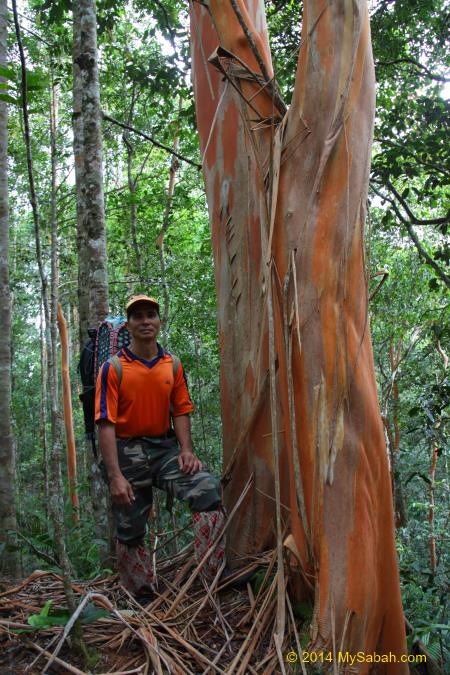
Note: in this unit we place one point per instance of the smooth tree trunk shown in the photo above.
(286, 194)
(395, 357)
(68, 417)
(43, 416)
(132, 182)
(174, 164)
(431, 507)
(8, 556)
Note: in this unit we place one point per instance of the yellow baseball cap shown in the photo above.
(141, 298)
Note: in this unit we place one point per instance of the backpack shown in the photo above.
(103, 344)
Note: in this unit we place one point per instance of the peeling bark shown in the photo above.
(287, 204)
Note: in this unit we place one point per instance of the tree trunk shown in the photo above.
(174, 164)
(43, 418)
(132, 181)
(78, 153)
(286, 196)
(432, 535)
(93, 280)
(395, 357)
(56, 488)
(68, 418)
(8, 556)
(91, 233)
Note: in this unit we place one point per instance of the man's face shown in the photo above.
(143, 322)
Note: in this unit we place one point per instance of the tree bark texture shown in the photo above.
(287, 195)
(91, 232)
(93, 281)
(8, 558)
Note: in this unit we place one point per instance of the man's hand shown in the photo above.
(121, 491)
(188, 462)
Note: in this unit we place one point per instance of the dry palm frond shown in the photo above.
(217, 630)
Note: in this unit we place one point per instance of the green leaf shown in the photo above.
(7, 73)
(91, 614)
(36, 81)
(9, 99)
(41, 622)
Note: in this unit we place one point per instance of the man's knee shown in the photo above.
(204, 494)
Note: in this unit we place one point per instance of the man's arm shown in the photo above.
(119, 488)
(187, 461)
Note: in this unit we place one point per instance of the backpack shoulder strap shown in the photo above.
(176, 363)
(117, 365)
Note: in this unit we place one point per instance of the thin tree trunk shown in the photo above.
(133, 207)
(199, 396)
(8, 557)
(432, 536)
(43, 418)
(78, 152)
(395, 357)
(174, 164)
(132, 187)
(56, 498)
(286, 195)
(68, 418)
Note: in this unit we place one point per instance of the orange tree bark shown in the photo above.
(286, 194)
(68, 417)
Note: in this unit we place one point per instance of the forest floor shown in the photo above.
(188, 628)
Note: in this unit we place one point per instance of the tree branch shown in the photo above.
(384, 274)
(40, 554)
(413, 219)
(422, 252)
(262, 66)
(107, 118)
(413, 62)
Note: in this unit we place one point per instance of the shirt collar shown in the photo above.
(133, 357)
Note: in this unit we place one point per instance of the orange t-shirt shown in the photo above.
(147, 395)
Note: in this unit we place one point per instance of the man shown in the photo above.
(138, 391)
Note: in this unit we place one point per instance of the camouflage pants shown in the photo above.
(153, 462)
